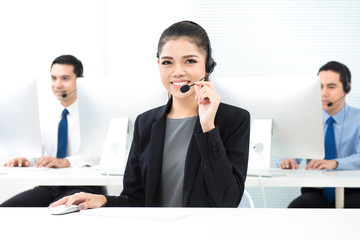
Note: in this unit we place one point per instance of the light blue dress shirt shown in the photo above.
(347, 137)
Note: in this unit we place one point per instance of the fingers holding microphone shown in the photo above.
(208, 101)
(206, 93)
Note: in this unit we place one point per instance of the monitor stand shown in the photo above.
(113, 158)
(260, 146)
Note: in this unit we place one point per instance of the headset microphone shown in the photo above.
(64, 95)
(186, 88)
(332, 103)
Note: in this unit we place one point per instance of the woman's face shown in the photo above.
(181, 62)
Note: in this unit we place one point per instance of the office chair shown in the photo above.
(246, 201)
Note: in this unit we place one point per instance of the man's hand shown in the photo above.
(288, 163)
(18, 162)
(318, 164)
(49, 162)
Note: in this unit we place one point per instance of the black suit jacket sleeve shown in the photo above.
(224, 155)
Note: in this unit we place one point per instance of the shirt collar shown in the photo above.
(338, 117)
(73, 108)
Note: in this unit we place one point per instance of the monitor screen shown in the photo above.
(20, 134)
(101, 99)
(292, 103)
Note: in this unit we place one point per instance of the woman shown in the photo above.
(191, 152)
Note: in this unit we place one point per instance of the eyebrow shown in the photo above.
(190, 56)
(184, 57)
(66, 75)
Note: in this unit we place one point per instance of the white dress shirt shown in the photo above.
(49, 136)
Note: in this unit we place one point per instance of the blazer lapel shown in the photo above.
(192, 164)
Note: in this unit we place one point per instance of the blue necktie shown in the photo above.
(330, 153)
(62, 135)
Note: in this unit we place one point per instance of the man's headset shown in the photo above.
(346, 85)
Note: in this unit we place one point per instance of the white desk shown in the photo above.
(204, 223)
(92, 177)
(293, 178)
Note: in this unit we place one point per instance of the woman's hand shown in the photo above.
(208, 100)
(83, 200)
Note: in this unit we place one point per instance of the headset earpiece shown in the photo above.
(210, 62)
(211, 67)
(347, 86)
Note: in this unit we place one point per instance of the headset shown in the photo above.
(210, 62)
(346, 86)
(344, 76)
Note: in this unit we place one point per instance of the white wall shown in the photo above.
(33, 33)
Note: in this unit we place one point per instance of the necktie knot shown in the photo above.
(64, 113)
(330, 120)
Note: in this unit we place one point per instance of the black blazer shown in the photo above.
(215, 165)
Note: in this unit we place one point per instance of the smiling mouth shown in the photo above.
(180, 83)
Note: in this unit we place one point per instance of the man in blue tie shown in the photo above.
(60, 137)
(342, 139)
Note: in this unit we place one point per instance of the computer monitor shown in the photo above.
(103, 105)
(293, 105)
(20, 134)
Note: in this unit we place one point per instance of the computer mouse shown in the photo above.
(61, 209)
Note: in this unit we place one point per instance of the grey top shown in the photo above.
(177, 138)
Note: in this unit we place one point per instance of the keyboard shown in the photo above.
(263, 173)
(276, 172)
(5, 170)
